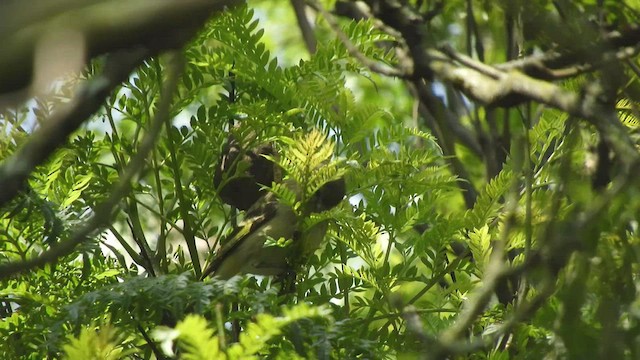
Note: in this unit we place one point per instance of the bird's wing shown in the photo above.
(256, 217)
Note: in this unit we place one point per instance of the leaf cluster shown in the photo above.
(543, 260)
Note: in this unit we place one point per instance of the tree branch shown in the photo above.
(106, 26)
(103, 212)
(306, 29)
(133, 31)
(15, 170)
(492, 87)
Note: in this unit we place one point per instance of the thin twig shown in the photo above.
(495, 271)
(352, 49)
(152, 345)
(471, 63)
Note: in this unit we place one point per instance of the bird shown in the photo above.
(271, 218)
(242, 174)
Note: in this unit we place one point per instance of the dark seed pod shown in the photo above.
(329, 195)
(241, 173)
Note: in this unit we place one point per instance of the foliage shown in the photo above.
(542, 264)
(199, 342)
(95, 345)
